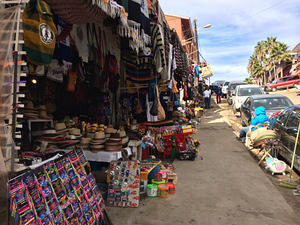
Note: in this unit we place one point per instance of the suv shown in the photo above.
(224, 89)
(242, 92)
(284, 82)
(231, 87)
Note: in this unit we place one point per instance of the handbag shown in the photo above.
(72, 78)
(161, 115)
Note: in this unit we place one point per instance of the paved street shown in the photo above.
(227, 187)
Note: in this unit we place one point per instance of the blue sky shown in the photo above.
(237, 26)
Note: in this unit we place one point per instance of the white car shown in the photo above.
(224, 89)
(242, 92)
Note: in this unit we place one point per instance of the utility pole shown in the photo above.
(196, 37)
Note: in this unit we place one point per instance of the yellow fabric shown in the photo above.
(39, 32)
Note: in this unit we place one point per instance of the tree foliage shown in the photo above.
(267, 55)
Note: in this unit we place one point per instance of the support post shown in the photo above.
(196, 39)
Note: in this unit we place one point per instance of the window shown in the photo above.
(272, 103)
(249, 91)
(293, 120)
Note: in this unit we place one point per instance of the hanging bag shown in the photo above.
(154, 108)
(161, 115)
(39, 32)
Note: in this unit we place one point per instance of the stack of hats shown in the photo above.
(97, 144)
(30, 112)
(43, 113)
(61, 128)
(124, 138)
(84, 143)
(75, 133)
(114, 143)
(109, 131)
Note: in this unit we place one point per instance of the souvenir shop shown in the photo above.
(101, 89)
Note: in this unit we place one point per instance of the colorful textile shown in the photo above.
(39, 32)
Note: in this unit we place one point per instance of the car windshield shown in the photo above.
(272, 103)
(226, 84)
(233, 86)
(250, 91)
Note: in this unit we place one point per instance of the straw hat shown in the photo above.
(99, 135)
(84, 143)
(110, 130)
(44, 115)
(29, 105)
(61, 128)
(116, 148)
(75, 132)
(97, 148)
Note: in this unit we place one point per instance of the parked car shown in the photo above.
(242, 92)
(218, 83)
(224, 89)
(272, 104)
(231, 87)
(287, 126)
(284, 82)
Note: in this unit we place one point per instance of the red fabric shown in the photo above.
(180, 142)
(167, 148)
(218, 98)
(145, 153)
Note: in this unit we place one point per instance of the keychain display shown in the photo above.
(124, 185)
(59, 192)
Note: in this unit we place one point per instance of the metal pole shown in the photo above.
(196, 37)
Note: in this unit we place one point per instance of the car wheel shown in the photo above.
(274, 89)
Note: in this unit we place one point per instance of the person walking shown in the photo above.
(207, 94)
(218, 95)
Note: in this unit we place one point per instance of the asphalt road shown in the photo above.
(227, 187)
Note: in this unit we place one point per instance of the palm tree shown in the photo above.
(267, 55)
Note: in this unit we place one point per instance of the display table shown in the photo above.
(98, 156)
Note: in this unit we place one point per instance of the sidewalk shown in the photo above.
(227, 187)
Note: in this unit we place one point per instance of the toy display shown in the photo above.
(124, 185)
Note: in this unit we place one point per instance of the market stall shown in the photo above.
(101, 86)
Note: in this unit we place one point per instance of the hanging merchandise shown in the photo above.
(161, 115)
(39, 32)
(72, 78)
(55, 71)
(63, 46)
